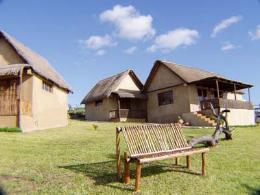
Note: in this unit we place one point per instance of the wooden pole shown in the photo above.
(138, 176)
(118, 160)
(217, 88)
(249, 97)
(203, 155)
(235, 91)
(118, 105)
(188, 161)
(176, 161)
(127, 169)
(19, 98)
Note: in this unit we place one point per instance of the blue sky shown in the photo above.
(89, 40)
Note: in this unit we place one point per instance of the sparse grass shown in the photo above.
(95, 126)
(78, 160)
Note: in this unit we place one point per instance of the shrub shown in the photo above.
(77, 113)
(10, 129)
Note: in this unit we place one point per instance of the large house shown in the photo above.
(33, 95)
(171, 91)
(175, 90)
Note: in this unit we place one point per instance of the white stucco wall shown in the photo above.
(170, 112)
(49, 110)
(166, 113)
(100, 112)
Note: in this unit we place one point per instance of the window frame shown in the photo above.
(162, 98)
(98, 103)
(46, 86)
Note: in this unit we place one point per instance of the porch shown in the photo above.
(225, 103)
(131, 106)
(127, 114)
(223, 93)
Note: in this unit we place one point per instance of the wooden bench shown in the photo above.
(152, 142)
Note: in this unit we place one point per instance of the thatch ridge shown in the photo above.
(105, 87)
(38, 63)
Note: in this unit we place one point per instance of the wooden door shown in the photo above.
(8, 97)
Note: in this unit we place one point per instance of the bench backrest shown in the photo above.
(154, 138)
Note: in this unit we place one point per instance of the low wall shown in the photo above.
(237, 117)
(240, 117)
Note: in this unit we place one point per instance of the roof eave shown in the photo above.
(223, 79)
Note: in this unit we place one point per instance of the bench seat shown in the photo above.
(153, 142)
(146, 158)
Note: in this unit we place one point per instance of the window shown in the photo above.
(165, 98)
(205, 93)
(220, 94)
(98, 102)
(47, 87)
(202, 92)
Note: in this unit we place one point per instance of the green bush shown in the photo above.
(77, 113)
(10, 129)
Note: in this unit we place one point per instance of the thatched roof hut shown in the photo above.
(117, 98)
(33, 95)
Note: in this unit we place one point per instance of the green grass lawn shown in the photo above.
(80, 160)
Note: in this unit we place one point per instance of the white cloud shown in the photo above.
(101, 52)
(225, 24)
(130, 24)
(130, 50)
(228, 46)
(175, 38)
(97, 42)
(256, 34)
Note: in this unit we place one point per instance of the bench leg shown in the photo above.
(138, 176)
(177, 161)
(118, 157)
(127, 170)
(203, 155)
(188, 161)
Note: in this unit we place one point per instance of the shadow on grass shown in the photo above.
(101, 172)
(2, 192)
(252, 190)
(104, 173)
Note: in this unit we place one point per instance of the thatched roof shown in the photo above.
(106, 87)
(11, 70)
(124, 93)
(191, 75)
(38, 64)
